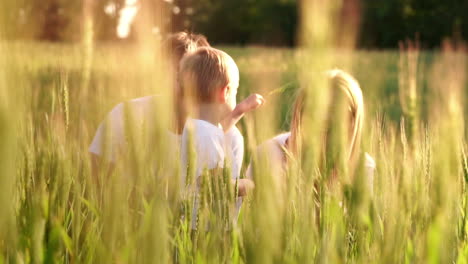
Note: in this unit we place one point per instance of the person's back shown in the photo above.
(110, 140)
(138, 112)
(213, 147)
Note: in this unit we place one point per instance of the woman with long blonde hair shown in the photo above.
(341, 138)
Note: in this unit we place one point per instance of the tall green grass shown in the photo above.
(53, 96)
(52, 211)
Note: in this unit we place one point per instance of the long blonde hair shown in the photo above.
(342, 85)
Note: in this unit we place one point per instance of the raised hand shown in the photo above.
(250, 103)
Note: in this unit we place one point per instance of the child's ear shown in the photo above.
(224, 94)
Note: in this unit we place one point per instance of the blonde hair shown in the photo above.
(180, 43)
(206, 70)
(343, 83)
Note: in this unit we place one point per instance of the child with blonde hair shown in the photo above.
(210, 79)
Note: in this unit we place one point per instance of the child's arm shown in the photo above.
(250, 103)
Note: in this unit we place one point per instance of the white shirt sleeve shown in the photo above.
(109, 136)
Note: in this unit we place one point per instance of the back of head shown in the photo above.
(178, 44)
(174, 47)
(344, 87)
(345, 112)
(205, 71)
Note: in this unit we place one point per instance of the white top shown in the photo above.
(110, 139)
(213, 149)
(275, 149)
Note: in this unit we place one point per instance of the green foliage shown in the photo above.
(246, 21)
(267, 22)
(387, 22)
(417, 214)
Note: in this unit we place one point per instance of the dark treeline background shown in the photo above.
(382, 23)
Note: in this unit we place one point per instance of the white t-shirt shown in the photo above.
(275, 149)
(213, 149)
(111, 139)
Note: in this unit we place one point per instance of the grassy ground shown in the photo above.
(55, 95)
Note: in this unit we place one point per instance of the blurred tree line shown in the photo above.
(382, 23)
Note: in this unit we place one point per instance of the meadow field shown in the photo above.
(55, 95)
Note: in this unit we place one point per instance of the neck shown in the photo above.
(212, 113)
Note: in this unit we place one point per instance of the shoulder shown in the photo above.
(143, 105)
(274, 147)
(115, 116)
(273, 153)
(234, 131)
(369, 161)
(140, 102)
(234, 135)
(276, 141)
(116, 110)
(141, 108)
(282, 138)
(201, 129)
(199, 124)
(143, 101)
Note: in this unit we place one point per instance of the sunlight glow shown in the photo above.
(127, 15)
(110, 9)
